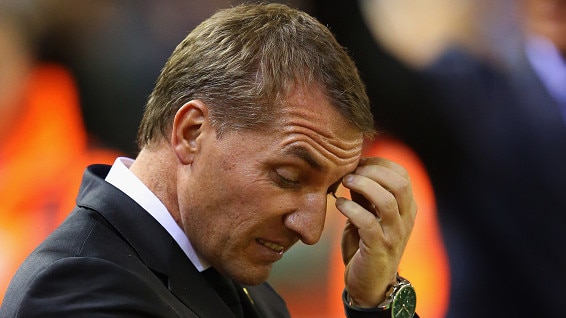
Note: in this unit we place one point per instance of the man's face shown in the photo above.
(548, 18)
(250, 195)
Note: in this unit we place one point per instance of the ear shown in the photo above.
(188, 125)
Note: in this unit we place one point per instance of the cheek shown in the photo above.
(229, 203)
(223, 229)
(218, 210)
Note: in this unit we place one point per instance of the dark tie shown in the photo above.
(226, 289)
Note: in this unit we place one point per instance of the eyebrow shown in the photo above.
(305, 155)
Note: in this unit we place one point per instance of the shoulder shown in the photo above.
(95, 269)
(75, 286)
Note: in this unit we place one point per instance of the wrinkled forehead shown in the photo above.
(308, 119)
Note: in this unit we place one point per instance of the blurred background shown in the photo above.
(75, 75)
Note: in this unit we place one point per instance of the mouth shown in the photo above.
(272, 246)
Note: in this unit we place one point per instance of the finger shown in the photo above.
(365, 203)
(356, 214)
(350, 241)
(379, 161)
(392, 177)
(369, 231)
(375, 198)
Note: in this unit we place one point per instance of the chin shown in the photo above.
(252, 277)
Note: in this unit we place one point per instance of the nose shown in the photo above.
(307, 220)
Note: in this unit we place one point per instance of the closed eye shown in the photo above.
(284, 182)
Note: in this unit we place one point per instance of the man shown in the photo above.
(492, 137)
(255, 119)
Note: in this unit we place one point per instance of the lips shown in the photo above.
(272, 246)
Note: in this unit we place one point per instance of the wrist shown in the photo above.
(370, 298)
(400, 301)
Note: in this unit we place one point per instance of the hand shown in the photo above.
(380, 216)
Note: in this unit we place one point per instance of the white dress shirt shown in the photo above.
(122, 178)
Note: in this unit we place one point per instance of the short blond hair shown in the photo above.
(243, 60)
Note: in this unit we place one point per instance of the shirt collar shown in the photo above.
(126, 181)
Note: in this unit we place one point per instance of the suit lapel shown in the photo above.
(153, 244)
(190, 287)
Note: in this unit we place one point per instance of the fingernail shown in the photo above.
(349, 178)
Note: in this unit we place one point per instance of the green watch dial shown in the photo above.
(405, 303)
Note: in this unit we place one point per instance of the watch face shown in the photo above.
(405, 302)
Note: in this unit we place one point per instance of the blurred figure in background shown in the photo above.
(43, 144)
(489, 125)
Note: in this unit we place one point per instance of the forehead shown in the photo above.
(311, 125)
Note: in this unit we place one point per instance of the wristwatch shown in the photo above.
(401, 301)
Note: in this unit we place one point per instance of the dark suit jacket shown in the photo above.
(494, 144)
(110, 258)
